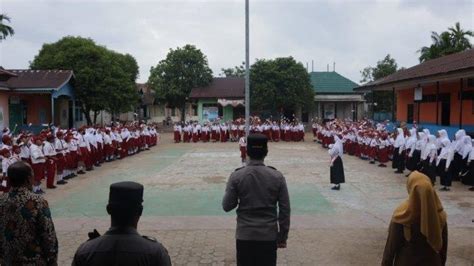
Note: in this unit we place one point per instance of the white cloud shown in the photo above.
(354, 34)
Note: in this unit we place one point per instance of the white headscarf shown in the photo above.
(337, 149)
(400, 140)
(466, 146)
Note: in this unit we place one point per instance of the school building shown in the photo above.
(335, 96)
(35, 98)
(223, 98)
(438, 93)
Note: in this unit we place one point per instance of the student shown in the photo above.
(337, 168)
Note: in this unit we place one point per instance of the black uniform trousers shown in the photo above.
(258, 253)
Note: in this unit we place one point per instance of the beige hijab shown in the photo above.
(422, 207)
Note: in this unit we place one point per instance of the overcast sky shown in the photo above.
(354, 34)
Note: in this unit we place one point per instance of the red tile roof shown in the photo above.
(44, 79)
(221, 88)
(444, 65)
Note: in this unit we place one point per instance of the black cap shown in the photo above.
(257, 145)
(126, 194)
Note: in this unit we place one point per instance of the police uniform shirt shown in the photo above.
(122, 246)
(256, 190)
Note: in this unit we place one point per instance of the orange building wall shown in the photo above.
(4, 107)
(428, 110)
(35, 104)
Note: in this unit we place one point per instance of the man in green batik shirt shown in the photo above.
(27, 235)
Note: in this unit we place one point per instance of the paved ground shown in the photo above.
(184, 184)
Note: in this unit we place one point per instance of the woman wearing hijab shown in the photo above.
(413, 156)
(443, 164)
(468, 177)
(337, 168)
(418, 232)
(428, 157)
(399, 152)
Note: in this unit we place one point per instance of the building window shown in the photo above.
(195, 109)
(78, 114)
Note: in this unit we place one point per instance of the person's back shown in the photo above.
(27, 235)
(121, 246)
(418, 232)
(256, 190)
(417, 251)
(259, 188)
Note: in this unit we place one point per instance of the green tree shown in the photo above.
(119, 84)
(5, 30)
(100, 74)
(448, 42)
(237, 71)
(280, 85)
(174, 77)
(384, 67)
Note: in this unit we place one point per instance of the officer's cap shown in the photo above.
(126, 194)
(257, 145)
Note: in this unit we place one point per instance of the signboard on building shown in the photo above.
(329, 111)
(210, 113)
(418, 94)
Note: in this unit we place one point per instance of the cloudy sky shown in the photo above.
(354, 34)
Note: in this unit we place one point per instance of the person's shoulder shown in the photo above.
(153, 242)
(238, 169)
(273, 170)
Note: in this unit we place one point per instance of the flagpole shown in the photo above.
(247, 72)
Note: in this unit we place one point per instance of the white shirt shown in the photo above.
(37, 155)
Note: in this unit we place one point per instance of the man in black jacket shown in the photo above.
(122, 245)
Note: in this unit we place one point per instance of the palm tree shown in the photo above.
(448, 42)
(459, 37)
(5, 30)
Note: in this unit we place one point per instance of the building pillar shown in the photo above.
(73, 113)
(373, 105)
(52, 109)
(393, 105)
(460, 102)
(437, 103)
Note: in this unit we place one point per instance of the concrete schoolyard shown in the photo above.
(184, 185)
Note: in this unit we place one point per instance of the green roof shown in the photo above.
(332, 83)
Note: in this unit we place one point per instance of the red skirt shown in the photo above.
(38, 171)
(383, 155)
(243, 152)
(60, 163)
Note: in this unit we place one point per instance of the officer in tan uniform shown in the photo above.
(256, 190)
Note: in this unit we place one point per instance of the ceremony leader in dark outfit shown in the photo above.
(122, 245)
(256, 190)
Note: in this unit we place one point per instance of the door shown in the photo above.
(410, 114)
(16, 114)
(445, 113)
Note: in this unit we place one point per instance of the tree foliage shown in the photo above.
(5, 30)
(384, 67)
(104, 79)
(280, 84)
(448, 42)
(174, 77)
(237, 71)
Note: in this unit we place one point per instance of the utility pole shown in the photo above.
(247, 72)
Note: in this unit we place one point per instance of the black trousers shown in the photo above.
(258, 253)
